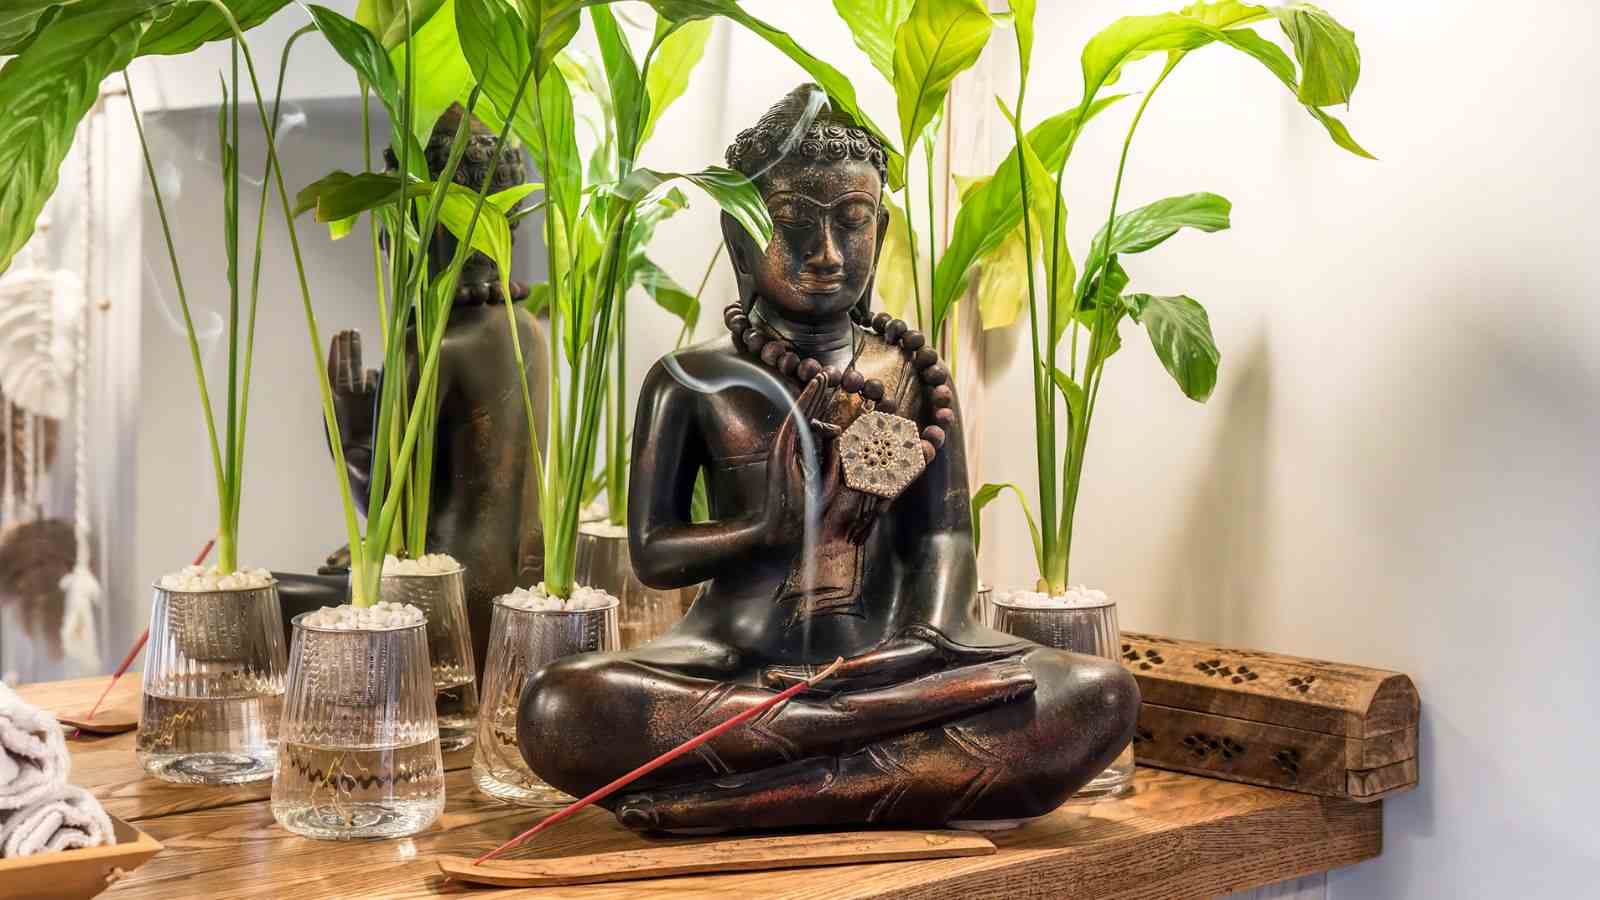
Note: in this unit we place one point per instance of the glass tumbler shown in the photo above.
(644, 613)
(359, 756)
(521, 642)
(442, 598)
(213, 686)
(1087, 629)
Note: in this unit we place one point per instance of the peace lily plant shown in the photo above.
(1080, 311)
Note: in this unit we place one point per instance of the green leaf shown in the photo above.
(674, 62)
(735, 193)
(1140, 229)
(538, 297)
(1225, 13)
(362, 52)
(496, 47)
(872, 25)
(193, 23)
(993, 209)
(551, 26)
(1049, 211)
(629, 102)
(841, 93)
(506, 200)
(1330, 63)
(667, 293)
(22, 19)
(1102, 311)
(45, 91)
(895, 277)
(1070, 391)
(492, 234)
(1180, 332)
(443, 76)
(1003, 282)
(386, 19)
(985, 496)
(938, 41)
(1022, 14)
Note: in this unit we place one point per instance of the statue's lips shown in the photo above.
(820, 285)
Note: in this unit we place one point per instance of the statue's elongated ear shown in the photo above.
(742, 252)
(863, 308)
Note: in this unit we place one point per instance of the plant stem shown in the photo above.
(1094, 365)
(911, 243)
(183, 298)
(933, 253)
(330, 417)
(687, 331)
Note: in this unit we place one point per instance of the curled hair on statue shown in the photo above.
(804, 126)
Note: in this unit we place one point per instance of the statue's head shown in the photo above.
(823, 177)
(510, 170)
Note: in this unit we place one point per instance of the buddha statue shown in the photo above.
(484, 506)
(840, 527)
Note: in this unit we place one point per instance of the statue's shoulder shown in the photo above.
(700, 368)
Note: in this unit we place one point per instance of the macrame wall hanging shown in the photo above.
(45, 567)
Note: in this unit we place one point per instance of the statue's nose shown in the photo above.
(825, 257)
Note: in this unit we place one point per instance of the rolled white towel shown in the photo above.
(68, 819)
(33, 753)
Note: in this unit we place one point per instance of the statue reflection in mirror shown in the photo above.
(831, 446)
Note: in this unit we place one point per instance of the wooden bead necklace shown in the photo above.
(779, 353)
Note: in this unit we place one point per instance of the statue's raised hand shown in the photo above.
(785, 512)
(355, 394)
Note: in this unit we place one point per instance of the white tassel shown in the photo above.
(80, 633)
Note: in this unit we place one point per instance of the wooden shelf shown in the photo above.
(1174, 836)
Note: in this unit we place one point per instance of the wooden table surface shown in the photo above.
(1175, 835)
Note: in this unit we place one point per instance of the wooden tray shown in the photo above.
(76, 874)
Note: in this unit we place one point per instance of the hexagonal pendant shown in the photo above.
(881, 454)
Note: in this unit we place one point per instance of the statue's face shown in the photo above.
(827, 222)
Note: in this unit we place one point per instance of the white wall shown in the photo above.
(1397, 466)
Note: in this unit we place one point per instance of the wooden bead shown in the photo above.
(887, 406)
(924, 358)
(934, 435)
(809, 369)
(895, 330)
(771, 352)
(929, 451)
(739, 322)
(833, 374)
(944, 417)
(789, 362)
(881, 321)
(854, 381)
(873, 389)
(913, 341)
(942, 396)
(935, 375)
(732, 308)
(755, 340)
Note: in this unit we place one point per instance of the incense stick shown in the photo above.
(663, 759)
(138, 645)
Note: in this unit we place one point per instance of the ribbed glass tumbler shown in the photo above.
(1087, 629)
(522, 641)
(359, 756)
(442, 598)
(213, 686)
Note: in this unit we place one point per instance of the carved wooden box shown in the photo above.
(1280, 721)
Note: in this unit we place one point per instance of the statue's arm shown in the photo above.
(935, 537)
(668, 550)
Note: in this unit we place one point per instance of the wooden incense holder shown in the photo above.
(743, 855)
(1280, 721)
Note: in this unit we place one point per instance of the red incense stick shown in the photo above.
(133, 652)
(662, 760)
